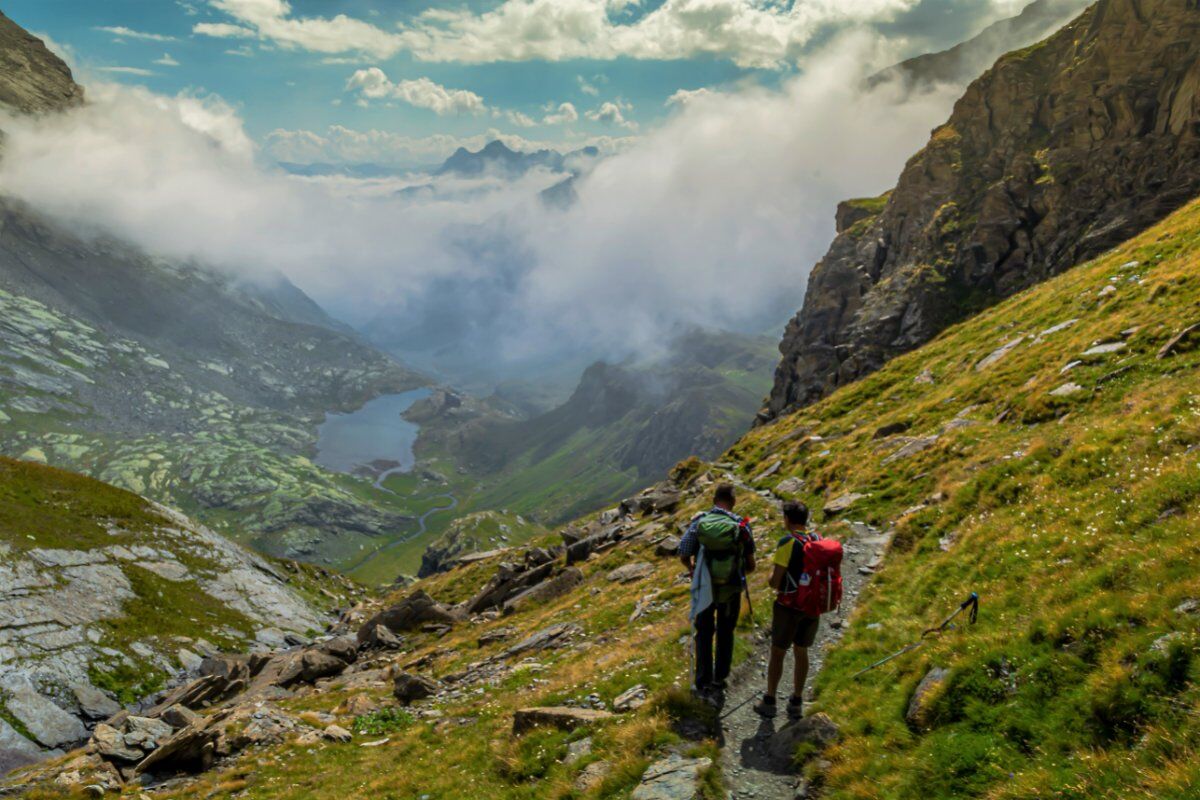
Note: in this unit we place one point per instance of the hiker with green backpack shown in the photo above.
(718, 549)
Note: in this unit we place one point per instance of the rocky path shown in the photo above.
(751, 769)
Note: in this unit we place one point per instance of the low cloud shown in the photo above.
(714, 217)
(373, 84)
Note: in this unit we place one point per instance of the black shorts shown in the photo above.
(792, 628)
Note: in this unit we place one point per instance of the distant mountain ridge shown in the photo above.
(499, 158)
(968, 59)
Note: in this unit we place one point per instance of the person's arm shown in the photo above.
(688, 546)
(777, 574)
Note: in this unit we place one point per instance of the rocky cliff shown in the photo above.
(32, 79)
(1054, 155)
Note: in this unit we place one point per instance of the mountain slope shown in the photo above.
(1071, 513)
(1058, 152)
(170, 380)
(623, 426)
(105, 596)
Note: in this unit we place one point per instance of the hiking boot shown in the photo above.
(766, 707)
(795, 708)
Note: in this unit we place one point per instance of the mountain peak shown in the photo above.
(33, 80)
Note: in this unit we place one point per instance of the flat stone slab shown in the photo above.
(49, 724)
(672, 778)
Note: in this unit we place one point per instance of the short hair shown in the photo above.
(795, 512)
(724, 494)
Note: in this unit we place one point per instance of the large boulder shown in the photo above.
(817, 729)
(508, 582)
(408, 688)
(557, 586)
(409, 614)
(930, 687)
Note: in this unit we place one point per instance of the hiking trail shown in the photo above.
(750, 770)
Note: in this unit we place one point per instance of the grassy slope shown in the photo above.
(1073, 517)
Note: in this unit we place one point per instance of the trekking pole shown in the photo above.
(972, 602)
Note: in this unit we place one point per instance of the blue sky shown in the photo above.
(415, 69)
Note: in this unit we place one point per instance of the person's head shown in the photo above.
(795, 515)
(724, 497)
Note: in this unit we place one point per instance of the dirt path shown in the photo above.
(750, 771)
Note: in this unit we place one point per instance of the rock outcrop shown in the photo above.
(65, 610)
(1057, 153)
(32, 79)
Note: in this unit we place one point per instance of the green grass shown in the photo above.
(1071, 516)
(46, 507)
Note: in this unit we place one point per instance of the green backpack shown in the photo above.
(720, 535)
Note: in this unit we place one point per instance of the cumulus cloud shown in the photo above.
(272, 20)
(373, 84)
(166, 61)
(517, 118)
(750, 33)
(122, 32)
(613, 113)
(685, 96)
(564, 114)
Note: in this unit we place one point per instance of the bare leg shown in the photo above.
(801, 673)
(775, 669)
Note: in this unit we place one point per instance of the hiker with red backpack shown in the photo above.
(808, 581)
(718, 549)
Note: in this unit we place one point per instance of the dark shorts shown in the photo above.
(791, 628)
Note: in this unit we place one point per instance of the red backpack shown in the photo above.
(814, 586)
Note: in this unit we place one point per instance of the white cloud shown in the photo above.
(517, 118)
(373, 84)
(167, 61)
(129, 71)
(272, 20)
(685, 96)
(121, 32)
(187, 7)
(565, 114)
(751, 33)
(245, 51)
(611, 113)
(586, 87)
(223, 30)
